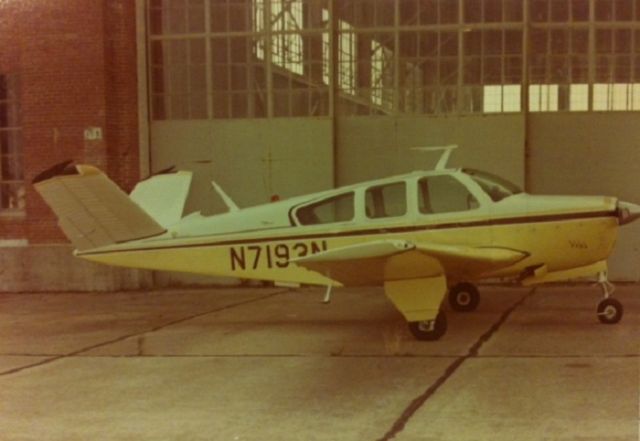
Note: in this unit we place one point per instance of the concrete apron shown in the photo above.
(261, 364)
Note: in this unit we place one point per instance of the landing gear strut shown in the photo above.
(464, 297)
(429, 330)
(610, 310)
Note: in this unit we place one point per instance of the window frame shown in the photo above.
(10, 100)
(317, 202)
(511, 187)
(469, 184)
(407, 205)
(400, 57)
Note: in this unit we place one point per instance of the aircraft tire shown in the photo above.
(464, 297)
(610, 311)
(426, 331)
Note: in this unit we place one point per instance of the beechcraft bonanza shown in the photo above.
(421, 235)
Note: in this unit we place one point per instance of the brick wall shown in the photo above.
(77, 64)
(122, 92)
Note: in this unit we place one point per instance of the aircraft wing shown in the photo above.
(381, 261)
(468, 260)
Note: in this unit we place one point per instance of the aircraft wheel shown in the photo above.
(610, 311)
(464, 297)
(429, 330)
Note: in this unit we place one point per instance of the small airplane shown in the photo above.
(421, 235)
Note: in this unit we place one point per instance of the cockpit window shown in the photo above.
(444, 194)
(388, 200)
(496, 187)
(334, 209)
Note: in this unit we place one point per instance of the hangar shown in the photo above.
(283, 97)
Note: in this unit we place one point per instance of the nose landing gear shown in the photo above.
(609, 309)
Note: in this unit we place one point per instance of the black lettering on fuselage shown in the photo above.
(237, 258)
(272, 256)
(282, 256)
(300, 249)
(315, 247)
(257, 251)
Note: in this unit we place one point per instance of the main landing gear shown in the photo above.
(464, 297)
(429, 330)
(610, 310)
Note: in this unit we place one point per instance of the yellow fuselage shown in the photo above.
(559, 242)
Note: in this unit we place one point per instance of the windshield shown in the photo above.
(496, 187)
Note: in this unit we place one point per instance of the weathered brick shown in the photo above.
(77, 64)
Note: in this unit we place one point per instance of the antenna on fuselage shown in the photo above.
(444, 158)
(225, 197)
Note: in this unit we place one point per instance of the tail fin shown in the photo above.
(163, 196)
(92, 210)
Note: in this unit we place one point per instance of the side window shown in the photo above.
(444, 194)
(386, 200)
(335, 209)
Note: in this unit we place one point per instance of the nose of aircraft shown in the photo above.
(627, 212)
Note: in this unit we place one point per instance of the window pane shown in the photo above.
(578, 97)
(175, 17)
(336, 209)
(497, 188)
(543, 97)
(11, 168)
(492, 10)
(623, 9)
(444, 194)
(386, 201)
(601, 97)
(539, 11)
(604, 10)
(559, 11)
(448, 11)
(11, 142)
(235, 15)
(511, 98)
(12, 189)
(12, 196)
(472, 11)
(4, 92)
(580, 10)
(513, 10)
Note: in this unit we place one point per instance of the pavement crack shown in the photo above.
(139, 333)
(400, 423)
